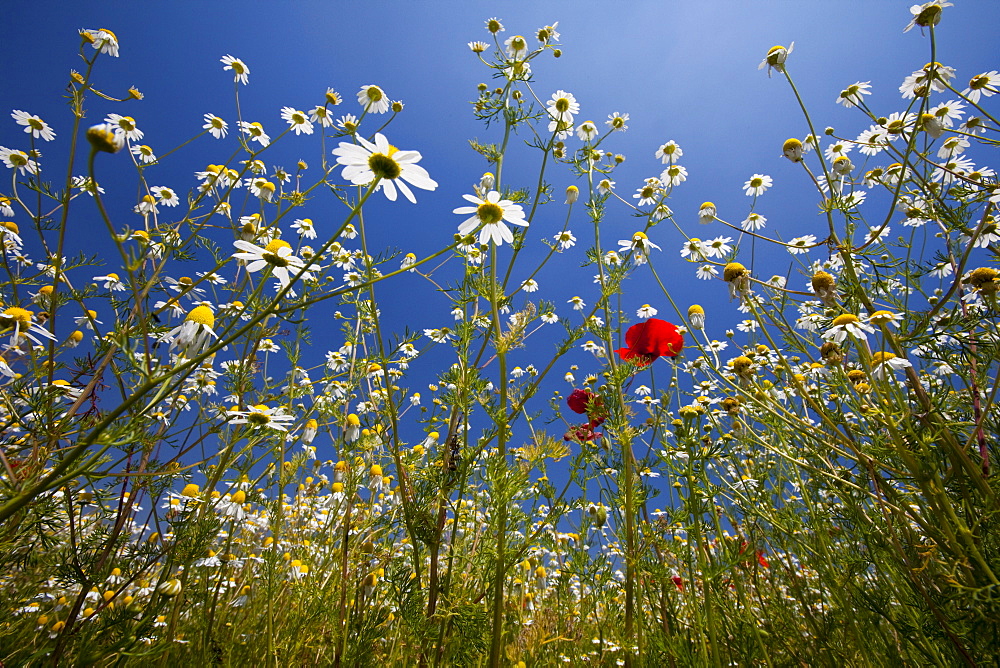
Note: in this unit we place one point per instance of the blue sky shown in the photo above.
(685, 71)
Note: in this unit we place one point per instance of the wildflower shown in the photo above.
(33, 125)
(572, 194)
(649, 340)
(216, 126)
(491, 212)
(775, 58)
(669, 153)
(706, 213)
(239, 68)
(586, 131)
(478, 47)
(932, 76)
(825, 287)
(802, 244)
(719, 246)
(674, 175)
(646, 311)
(277, 255)
(738, 278)
(19, 160)
(124, 127)
(381, 160)
(23, 323)
(984, 279)
(792, 149)
(373, 99)
(261, 417)
(927, 14)
(986, 85)
(103, 41)
(261, 188)
(309, 431)
(322, 116)
(439, 335)
(753, 222)
(617, 122)
(853, 95)
(170, 588)
(305, 228)
(494, 26)
(256, 132)
(847, 324)
(297, 120)
(165, 195)
(516, 47)
(695, 249)
(842, 165)
(562, 106)
(696, 314)
(143, 153)
(194, 333)
(577, 302)
(530, 285)
(884, 361)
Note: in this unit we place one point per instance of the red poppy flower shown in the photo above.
(578, 400)
(651, 339)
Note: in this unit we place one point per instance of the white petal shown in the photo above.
(388, 187)
(403, 188)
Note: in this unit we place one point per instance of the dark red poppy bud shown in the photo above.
(578, 400)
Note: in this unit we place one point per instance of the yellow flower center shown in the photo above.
(258, 419)
(979, 82)
(733, 271)
(881, 317)
(9, 225)
(845, 319)
(374, 94)
(489, 213)
(202, 315)
(384, 166)
(18, 315)
(271, 253)
(881, 356)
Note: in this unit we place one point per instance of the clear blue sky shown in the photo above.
(685, 71)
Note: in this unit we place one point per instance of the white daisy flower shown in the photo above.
(669, 152)
(143, 153)
(491, 212)
(373, 99)
(256, 132)
(757, 185)
(195, 333)
(102, 40)
(277, 255)
(33, 125)
(124, 127)
(853, 95)
(297, 120)
(239, 68)
(305, 228)
(848, 324)
(365, 162)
